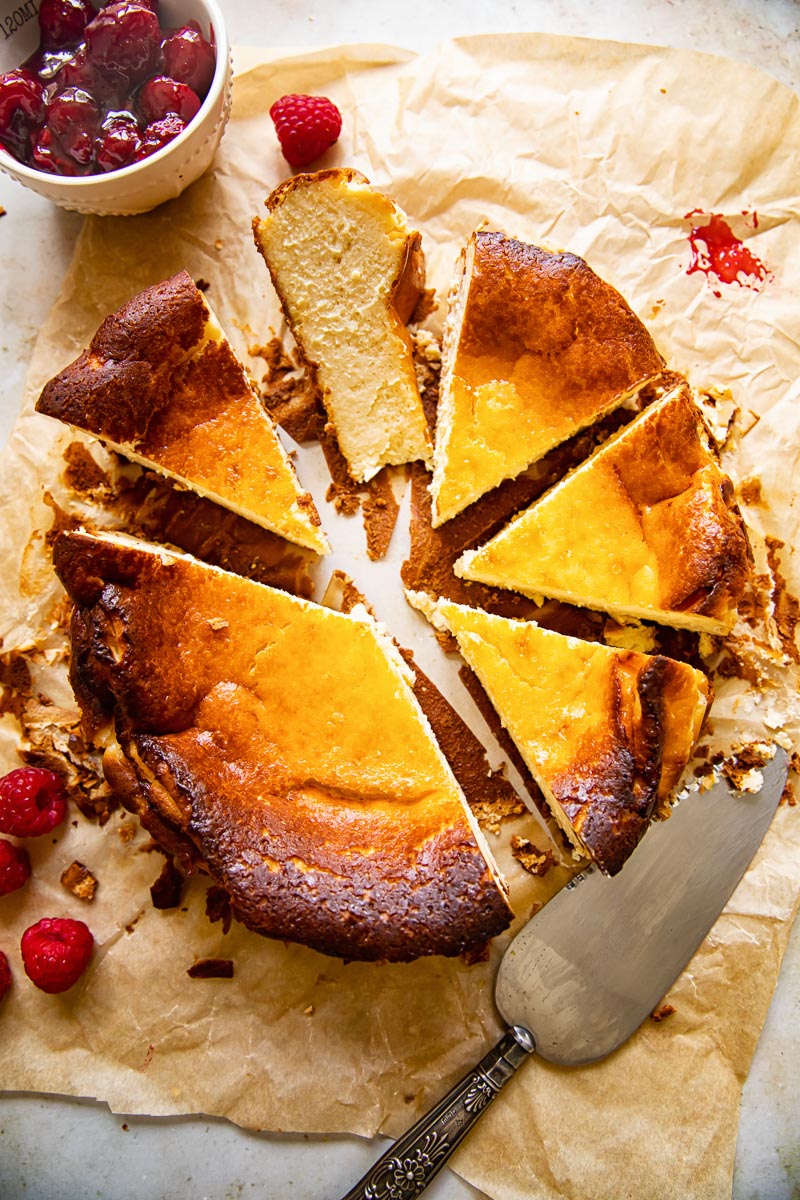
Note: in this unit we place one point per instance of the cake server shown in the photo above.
(583, 974)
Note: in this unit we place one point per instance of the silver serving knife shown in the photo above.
(584, 973)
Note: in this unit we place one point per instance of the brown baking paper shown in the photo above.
(594, 147)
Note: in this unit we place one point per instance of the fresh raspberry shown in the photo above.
(5, 975)
(32, 802)
(306, 126)
(15, 867)
(55, 952)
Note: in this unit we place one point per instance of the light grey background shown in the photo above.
(53, 1149)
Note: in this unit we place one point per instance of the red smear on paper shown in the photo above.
(717, 251)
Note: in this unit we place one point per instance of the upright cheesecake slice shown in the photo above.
(160, 384)
(349, 271)
(606, 733)
(280, 744)
(646, 528)
(536, 348)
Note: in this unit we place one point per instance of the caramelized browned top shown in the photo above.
(528, 301)
(120, 384)
(646, 527)
(605, 732)
(274, 740)
(162, 385)
(544, 348)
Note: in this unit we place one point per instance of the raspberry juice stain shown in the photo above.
(717, 251)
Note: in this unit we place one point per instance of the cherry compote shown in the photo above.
(107, 87)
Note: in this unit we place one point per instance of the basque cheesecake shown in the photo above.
(536, 347)
(606, 733)
(645, 529)
(279, 745)
(160, 384)
(348, 271)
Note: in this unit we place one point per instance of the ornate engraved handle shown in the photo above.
(406, 1169)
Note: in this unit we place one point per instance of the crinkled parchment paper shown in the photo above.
(596, 148)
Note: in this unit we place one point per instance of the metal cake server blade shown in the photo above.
(584, 973)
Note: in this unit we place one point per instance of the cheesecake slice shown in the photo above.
(536, 347)
(606, 733)
(279, 744)
(645, 529)
(161, 385)
(348, 271)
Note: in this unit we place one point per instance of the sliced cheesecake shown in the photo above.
(161, 385)
(645, 529)
(606, 733)
(349, 270)
(279, 743)
(536, 347)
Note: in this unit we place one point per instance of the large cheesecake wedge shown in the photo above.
(280, 744)
(349, 270)
(160, 384)
(646, 528)
(536, 347)
(606, 733)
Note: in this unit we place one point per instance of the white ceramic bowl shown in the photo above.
(163, 175)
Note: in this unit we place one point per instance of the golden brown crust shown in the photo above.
(246, 721)
(301, 180)
(606, 733)
(140, 347)
(647, 527)
(541, 348)
(528, 301)
(610, 791)
(162, 387)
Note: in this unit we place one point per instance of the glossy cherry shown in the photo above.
(189, 58)
(126, 38)
(48, 156)
(95, 96)
(160, 133)
(62, 22)
(161, 96)
(79, 72)
(74, 118)
(119, 142)
(22, 103)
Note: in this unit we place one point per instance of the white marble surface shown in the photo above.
(53, 1149)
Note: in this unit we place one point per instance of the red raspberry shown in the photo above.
(306, 126)
(15, 867)
(32, 802)
(5, 975)
(55, 952)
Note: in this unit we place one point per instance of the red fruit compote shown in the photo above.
(107, 87)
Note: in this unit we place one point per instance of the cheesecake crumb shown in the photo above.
(211, 968)
(536, 861)
(79, 880)
(475, 955)
(218, 907)
(662, 1012)
(167, 890)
